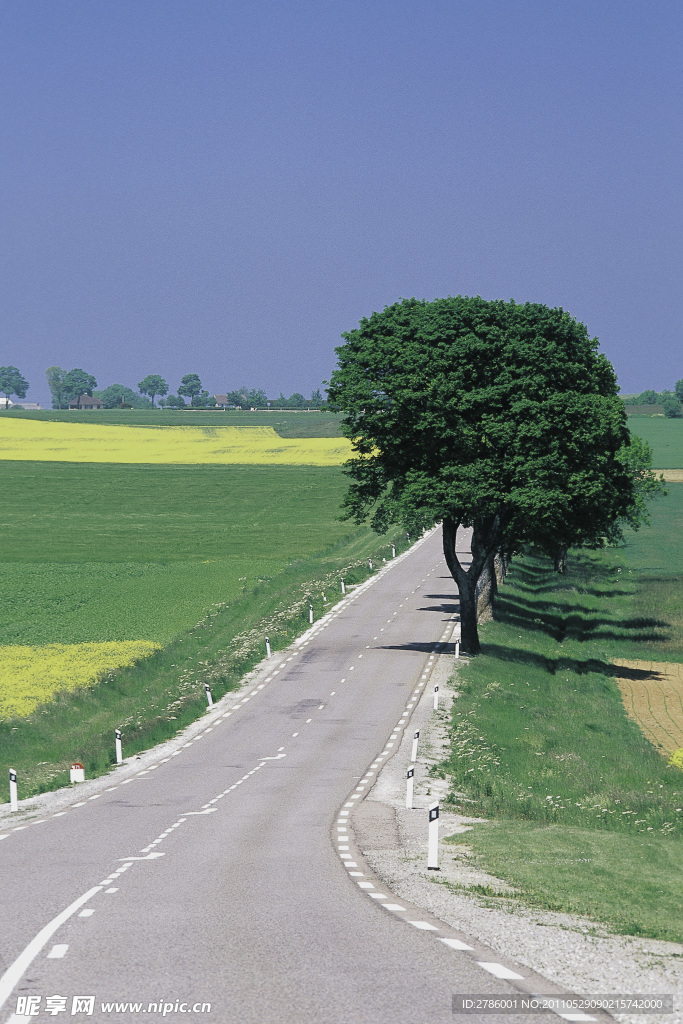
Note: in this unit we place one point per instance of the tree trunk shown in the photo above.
(487, 588)
(486, 541)
(561, 558)
(469, 634)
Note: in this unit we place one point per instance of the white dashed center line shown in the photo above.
(58, 951)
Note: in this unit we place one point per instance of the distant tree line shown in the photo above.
(252, 398)
(70, 386)
(670, 401)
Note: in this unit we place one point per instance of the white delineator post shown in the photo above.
(393, 551)
(343, 585)
(370, 564)
(457, 648)
(310, 613)
(436, 698)
(13, 797)
(413, 754)
(209, 698)
(267, 648)
(409, 788)
(433, 847)
(117, 741)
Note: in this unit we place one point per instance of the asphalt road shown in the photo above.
(246, 906)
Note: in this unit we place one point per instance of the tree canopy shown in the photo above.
(12, 383)
(76, 383)
(247, 398)
(173, 402)
(55, 381)
(118, 395)
(495, 416)
(190, 386)
(153, 384)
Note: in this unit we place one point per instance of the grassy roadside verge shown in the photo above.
(154, 699)
(587, 816)
(628, 883)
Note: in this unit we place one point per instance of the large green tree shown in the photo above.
(55, 380)
(153, 385)
(494, 416)
(190, 386)
(77, 383)
(12, 383)
(203, 401)
(670, 404)
(247, 398)
(118, 395)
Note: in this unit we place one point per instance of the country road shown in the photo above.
(213, 877)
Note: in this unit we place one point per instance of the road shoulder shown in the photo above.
(574, 953)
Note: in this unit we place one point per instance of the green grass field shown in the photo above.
(107, 552)
(158, 696)
(204, 560)
(632, 884)
(287, 422)
(665, 436)
(541, 739)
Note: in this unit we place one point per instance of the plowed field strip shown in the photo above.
(653, 697)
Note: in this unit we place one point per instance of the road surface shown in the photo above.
(214, 876)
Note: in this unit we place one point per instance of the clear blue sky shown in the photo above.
(223, 186)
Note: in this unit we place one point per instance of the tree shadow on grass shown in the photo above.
(584, 576)
(538, 600)
(565, 664)
(575, 623)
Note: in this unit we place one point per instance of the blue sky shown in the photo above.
(224, 187)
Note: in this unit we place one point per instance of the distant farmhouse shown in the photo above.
(86, 402)
(5, 404)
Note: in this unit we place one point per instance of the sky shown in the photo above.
(222, 187)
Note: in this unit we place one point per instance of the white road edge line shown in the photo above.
(455, 944)
(499, 971)
(15, 971)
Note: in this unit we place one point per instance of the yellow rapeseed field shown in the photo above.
(51, 441)
(32, 675)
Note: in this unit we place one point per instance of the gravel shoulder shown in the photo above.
(575, 953)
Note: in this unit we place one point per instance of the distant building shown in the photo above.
(86, 402)
(5, 404)
(221, 399)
